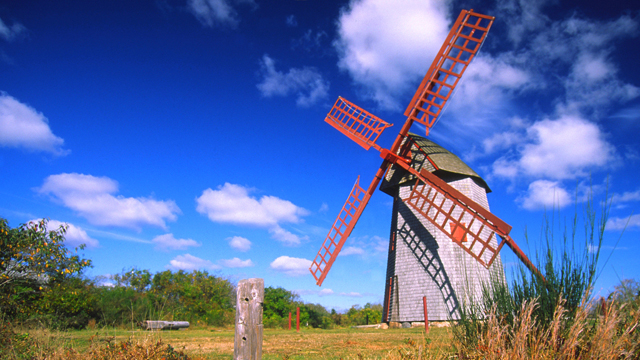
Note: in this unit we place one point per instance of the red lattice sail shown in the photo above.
(468, 224)
(340, 231)
(460, 47)
(356, 123)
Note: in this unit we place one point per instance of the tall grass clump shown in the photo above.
(567, 258)
(607, 334)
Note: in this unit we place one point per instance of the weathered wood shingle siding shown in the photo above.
(423, 261)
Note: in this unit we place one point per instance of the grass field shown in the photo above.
(205, 343)
(611, 333)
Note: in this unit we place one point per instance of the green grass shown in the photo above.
(210, 343)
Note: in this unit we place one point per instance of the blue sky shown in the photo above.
(189, 134)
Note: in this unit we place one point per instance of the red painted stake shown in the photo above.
(298, 319)
(289, 320)
(426, 317)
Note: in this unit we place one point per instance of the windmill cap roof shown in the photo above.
(426, 154)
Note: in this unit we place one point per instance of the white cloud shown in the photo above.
(232, 204)
(285, 237)
(627, 196)
(584, 47)
(365, 246)
(592, 68)
(593, 248)
(489, 76)
(322, 292)
(22, 126)
(325, 292)
(93, 198)
(386, 48)
(291, 266)
(291, 21)
(306, 83)
(105, 280)
(351, 250)
(569, 39)
(74, 236)
(236, 263)
(563, 148)
(630, 114)
(12, 32)
(544, 194)
(505, 168)
(239, 243)
(380, 245)
(522, 16)
(216, 12)
(168, 242)
(501, 141)
(617, 223)
(486, 90)
(311, 41)
(593, 83)
(189, 262)
(118, 236)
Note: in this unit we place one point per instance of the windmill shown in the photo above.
(433, 208)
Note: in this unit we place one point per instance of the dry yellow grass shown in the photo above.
(606, 336)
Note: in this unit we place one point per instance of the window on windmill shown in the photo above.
(458, 232)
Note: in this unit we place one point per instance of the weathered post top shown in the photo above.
(248, 338)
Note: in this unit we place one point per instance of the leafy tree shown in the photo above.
(278, 302)
(372, 313)
(32, 259)
(317, 313)
(196, 295)
(336, 318)
(138, 280)
(356, 315)
(138, 295)
(627, 291)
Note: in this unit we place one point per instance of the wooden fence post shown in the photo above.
(426, 316)
(298, 319)
(248, 339)
(289, 320)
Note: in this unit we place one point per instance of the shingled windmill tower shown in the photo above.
(444, 240)
(423, 260)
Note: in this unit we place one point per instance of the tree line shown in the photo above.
(42, 283)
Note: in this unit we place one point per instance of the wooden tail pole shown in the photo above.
(248, 338)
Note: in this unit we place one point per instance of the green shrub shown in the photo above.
(567, 258)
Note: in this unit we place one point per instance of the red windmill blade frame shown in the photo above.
(449, 210)
(356, 123)
(459, 49)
